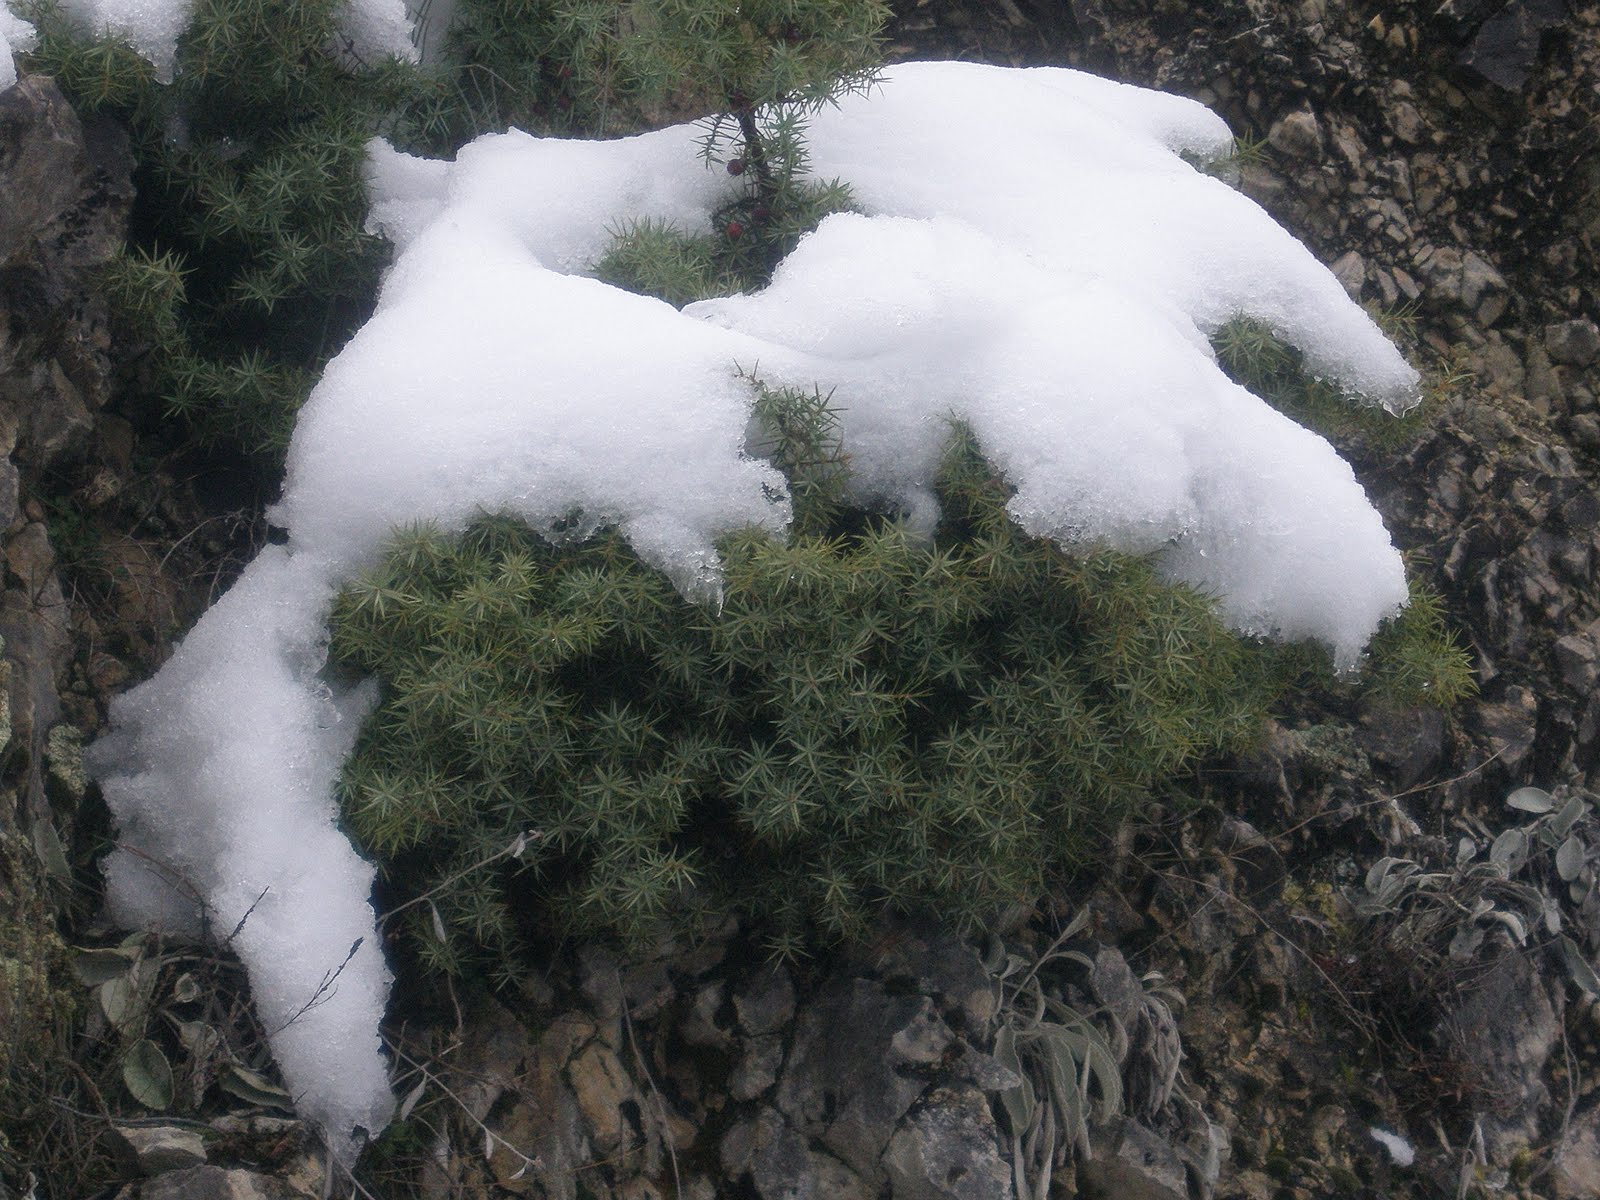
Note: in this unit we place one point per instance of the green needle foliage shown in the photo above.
(1256, 358)
(602, 68)
(566, 746)
(249, 266)
(1415, 659)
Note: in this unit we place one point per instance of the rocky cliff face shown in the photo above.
(67, 188)
(1354, 937)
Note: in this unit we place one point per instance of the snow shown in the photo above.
(1034, 258)
(1400, 1151)
(15, 35)
(223, 789)
(1103, 408)
(371, 29)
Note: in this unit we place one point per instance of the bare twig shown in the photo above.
(324, 991)
(514, 849)
(239, 928)
(661, 1103)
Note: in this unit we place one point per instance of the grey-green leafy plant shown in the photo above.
(1066, 1068)
(1533, 883)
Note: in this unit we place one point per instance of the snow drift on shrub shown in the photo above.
(372, 29)
(1034, 258)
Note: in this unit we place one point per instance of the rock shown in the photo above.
(984, 1071)
(1543, 385)
(490, 1060)
(923, 1039)
(781, 1165)
(1350, 269)
(215, 1183)
(948, 1149)
(297, 1152)
(1506, 1027)
(30, 559)
(606, 1096)
(162, 1148)
(41, 173)
(1297, 135)
(1130, 1162)
(539, 1137)
(767, 1004)
(1410, 742)
(146, 596)
(66, 187)
(1575, 1162)
(700, 1025)
(1407, 122)
(600, 980)
(842, 1078)
(1117, 990)
(1510, 727)
(758, 1069)
(1478, 279)
(1507, 45)
(1573, 343)
(1578, 657)
(1441, 270)
(938, 963)
(64, 754)
(1144, 1035)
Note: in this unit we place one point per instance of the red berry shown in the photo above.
(761, 212)
(734, 231)
(736, 166)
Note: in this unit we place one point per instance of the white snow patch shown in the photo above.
(1034, 258)
(1400, 1150)
(16, 35)
(374, 30)
(371, 29)
(1102, 406)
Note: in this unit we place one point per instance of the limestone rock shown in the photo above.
(1297, 135)
(701, 1025)
(767, 1003)
(842, 1077)
(1510, 726)
(1131, 1162)
(1575, 1162)
(1508, 1025)
(948, 1149)
(758, 1069)
(215, 1183)
(938, 963)
(41, 174)
(66, 186)
(1578, 657)
(163, 1148)
(1507, 44)
(1350, 269)
(605, 1095)
(1573, 343)
(1411, 742)
(781, 1165)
